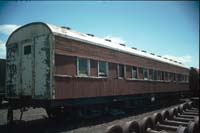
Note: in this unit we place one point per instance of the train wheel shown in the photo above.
(192, 127)
(165, 114)
(172, 113)
(182, 129)
(131, 127)
(145, 124)
(114, 129)
(156, 118)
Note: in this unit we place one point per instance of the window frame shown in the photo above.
(136, 72)
(155, 79)
(88, 67)
(27, 49)
(147, 70)
(107, 70)
(124, 66)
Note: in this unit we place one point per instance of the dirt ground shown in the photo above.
(37, 121)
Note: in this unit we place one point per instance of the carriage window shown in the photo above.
(155, 76)
(83, 66)
(27, 49)
(171, 76)
(159, 75)
(166, 76)
(134, 73)
(145, 73)
(151, 74)
(102, 69)
(174, 76)
(187, 78)
(162, 76)
(121, 71)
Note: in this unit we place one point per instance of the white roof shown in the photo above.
(68, 33)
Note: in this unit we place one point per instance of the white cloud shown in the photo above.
(115, 39)
(7, 29)
(186, 59)
(2, 45)
(2, 49)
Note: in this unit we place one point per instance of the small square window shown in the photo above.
(27, 49)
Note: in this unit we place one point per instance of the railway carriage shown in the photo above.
(49, 66)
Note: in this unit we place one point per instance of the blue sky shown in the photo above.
(165, 28)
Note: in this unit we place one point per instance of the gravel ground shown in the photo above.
(36, 120)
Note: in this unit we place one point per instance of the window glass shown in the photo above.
(145, 73)
(159, 75)
(103, 68)
(171, 76)
(155, 75)
(174, 75)
(163, 78)
(83, 66)
(179, 77)
(121, 70)
(141, 75)
(187, 78)
(150, 74)
(27, 49)
(134, 73)
(166, 76)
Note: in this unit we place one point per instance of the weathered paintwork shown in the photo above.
(29, 70)
(49, 71)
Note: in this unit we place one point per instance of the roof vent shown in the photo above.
(175, 61)
(64, 27)
(159, 56)
(152, 53)
(170, 59)
(134, 48)
(108, 40)
(122, 44)
(90, 35)
(165, 58)
(144, 51)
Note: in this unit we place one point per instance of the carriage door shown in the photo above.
(26, 68)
